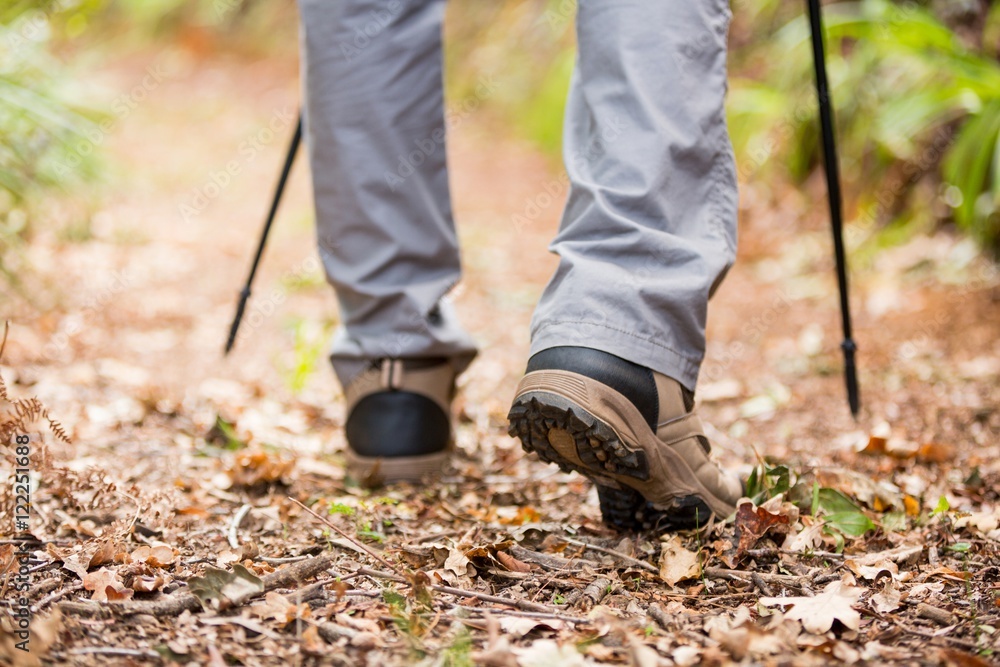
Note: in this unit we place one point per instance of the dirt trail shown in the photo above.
(125, 349)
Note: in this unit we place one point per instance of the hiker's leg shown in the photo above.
(650, 226)
(375, 128)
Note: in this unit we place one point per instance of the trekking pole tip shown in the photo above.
(235, 326)
(851, 377)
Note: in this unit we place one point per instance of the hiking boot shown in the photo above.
(399, 420)
(630, 430)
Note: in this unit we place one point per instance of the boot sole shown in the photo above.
(627, 467)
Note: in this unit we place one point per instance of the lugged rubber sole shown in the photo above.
(542, 420)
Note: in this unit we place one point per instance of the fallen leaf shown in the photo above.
(889, 599)
(106, 586)
(511, 563)
(547, 653)
(158, 556)
(218, 589)
(872, 572)
(983, 522)
(518, 627)
(755, 522)
(817, 614)
(147, 584)
(676, 562)
(935, 452)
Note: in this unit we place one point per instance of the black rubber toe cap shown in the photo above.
(391, 424)
(630, 380)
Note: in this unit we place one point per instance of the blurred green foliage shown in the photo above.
(916, 84)
(40, 127)
(917, 94)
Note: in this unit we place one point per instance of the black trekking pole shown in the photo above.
(293, 148)
(833, 193)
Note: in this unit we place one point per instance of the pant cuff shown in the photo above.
(645, 352)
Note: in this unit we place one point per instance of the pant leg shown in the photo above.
(375, 128)
(649, 228)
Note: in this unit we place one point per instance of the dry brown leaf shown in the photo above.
(106, 586)
(935, 452)
(755, 522)
(147, 583)
(511, 563)
(889, 599)
(676, 562)
(158, 556)
(818, 613)
(252, 467)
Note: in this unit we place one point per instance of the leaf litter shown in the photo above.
(874, 542)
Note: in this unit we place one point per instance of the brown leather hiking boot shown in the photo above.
(399, 420)
(628, 429)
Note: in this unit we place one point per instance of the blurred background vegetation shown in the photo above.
(916, 87)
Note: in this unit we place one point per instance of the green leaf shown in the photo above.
(960, 547)
(942, 506)
(393, 599)
(841, 514)
(854, 524)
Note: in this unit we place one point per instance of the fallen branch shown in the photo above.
(649, 567)
(179, 602)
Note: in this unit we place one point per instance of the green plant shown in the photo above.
(918, 112)
(44, 139)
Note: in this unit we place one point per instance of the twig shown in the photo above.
(739, 575)
(234, 525)
(548, 561)
(595, 591)
(459, 592)
(761, 585)
(939, 616)
(180, 602)
(109, 650)
(350, 539)
(281, 561)
(48, 599)
(656, 612)
(649, 567)
(543, 616)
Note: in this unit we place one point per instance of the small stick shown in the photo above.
(656, 612)
(350, 539)
(109, 650)
(525, 614)
(38, 606)
(739, 575)
(234, 525)
(459, 592)
(649, 567)
(939, 616)
(595, 591)
(761, 585)
(281, 561)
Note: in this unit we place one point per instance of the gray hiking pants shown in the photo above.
(649, 228)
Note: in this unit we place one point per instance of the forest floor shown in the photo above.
(169, 528)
